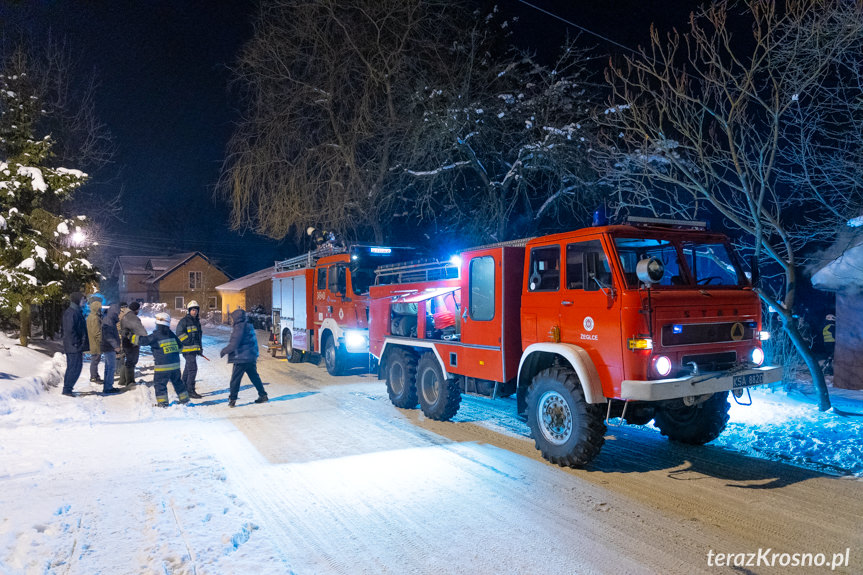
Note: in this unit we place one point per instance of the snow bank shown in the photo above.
(25, 373)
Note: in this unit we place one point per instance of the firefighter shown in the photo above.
(166, 356)
(189, 334)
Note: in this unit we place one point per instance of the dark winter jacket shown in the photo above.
(110, 335)
(243, 347)
(189, 334)
(130, 324)
(74, 330)
(165, 346)
(94, 326)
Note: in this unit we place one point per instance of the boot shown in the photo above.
(194, 394)
(262, 399)
(232, 403)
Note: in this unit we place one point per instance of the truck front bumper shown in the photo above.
(674, 388)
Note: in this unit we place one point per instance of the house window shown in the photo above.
(195, 280)
(211, 303)
(179, 302)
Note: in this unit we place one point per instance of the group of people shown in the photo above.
(118, 334)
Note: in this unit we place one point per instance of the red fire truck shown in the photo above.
(320, 303)
(653, 321)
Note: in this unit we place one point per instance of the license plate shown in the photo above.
(747, 380)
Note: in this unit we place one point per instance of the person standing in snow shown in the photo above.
(166, 356)
(130, 324)
(189, 334)
(121, 355)
(828, 335)
(94, 333)
(110, 346)
(242, 351)
(74, 341)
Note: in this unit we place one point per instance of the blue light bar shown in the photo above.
(677, 328)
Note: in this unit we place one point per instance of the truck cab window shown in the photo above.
(338, 282)
(586, 266)
(322, 278)
(482, 288)
(544, 271)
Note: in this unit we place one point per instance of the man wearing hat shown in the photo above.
(189, 334)
(130, 324)
(74, 341)
(166, 356)
(110, 346)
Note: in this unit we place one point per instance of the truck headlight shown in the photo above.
(662, 365)
(356, 340)
(757, 356)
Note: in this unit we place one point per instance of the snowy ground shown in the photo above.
(331, 478)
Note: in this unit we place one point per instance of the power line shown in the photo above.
(574, 25)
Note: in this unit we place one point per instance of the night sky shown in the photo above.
(163, 72)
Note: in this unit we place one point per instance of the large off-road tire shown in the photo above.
(566, 429)
(439, 397)
(334, 357)
(401, 378)
(291, 354)
(696, 424)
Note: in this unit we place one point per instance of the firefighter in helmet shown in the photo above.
(166, 356)
(189, 334)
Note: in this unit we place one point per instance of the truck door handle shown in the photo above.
(565, 302)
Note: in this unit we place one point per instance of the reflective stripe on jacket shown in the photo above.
(165, 346)
(189, 334)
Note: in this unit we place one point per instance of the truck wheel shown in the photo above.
(694, 424)
(439, 398)
(401, 378)
(334, 358)
(567, 430)
(291, 354)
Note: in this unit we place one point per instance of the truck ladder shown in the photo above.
(415, 271)
(309, 259)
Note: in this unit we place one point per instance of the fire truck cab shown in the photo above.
(638, 322)
(320, 303)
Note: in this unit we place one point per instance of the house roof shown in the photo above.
(164, 266)
(156, 267)
(131, 264)
(845, 272)
(247, 281)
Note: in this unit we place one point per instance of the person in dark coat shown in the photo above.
(75, 341)
(94, 333)
(166, 356)
(110, 346)
(130, 324)
(242, 351)
(189, 334)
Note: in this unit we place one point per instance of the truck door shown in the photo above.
(481, 318)
(589, 307)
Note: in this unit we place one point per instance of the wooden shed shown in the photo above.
(248, 292)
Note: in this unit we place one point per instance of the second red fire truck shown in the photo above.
(320, 303)
(655, 321)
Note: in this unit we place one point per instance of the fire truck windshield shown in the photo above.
(365, 259)
(687, 263)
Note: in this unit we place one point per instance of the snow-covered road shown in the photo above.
(329, 477)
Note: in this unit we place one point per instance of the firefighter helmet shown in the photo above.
(163, 318)
(192, 304)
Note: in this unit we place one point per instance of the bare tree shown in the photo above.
(328, 89)
(711, 120)
(505, 141)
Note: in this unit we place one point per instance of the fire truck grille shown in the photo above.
(712, 361)
(695, 333)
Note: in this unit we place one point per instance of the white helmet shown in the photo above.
(192, 304)
(163, 318)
